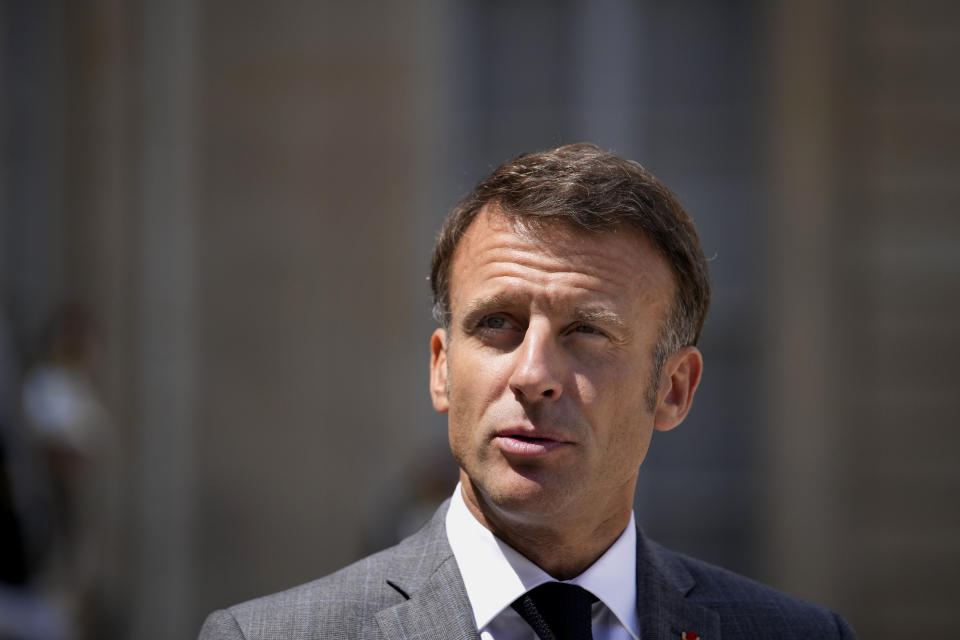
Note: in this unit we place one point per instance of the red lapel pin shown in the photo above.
(689, 635)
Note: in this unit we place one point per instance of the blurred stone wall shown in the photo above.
(865, 345)
(245, 195)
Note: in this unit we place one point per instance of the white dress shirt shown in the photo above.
(495, 575)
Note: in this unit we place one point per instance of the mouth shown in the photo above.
(526, 443)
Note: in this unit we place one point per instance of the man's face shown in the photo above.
(545, 366)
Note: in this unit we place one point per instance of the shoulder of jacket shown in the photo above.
(345, 602)
(361, 585)
(752, 606)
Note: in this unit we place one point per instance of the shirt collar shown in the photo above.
(494, 574)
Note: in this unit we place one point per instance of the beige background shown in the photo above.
(245, 194)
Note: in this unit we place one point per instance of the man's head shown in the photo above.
(571, 288)
(587, 188)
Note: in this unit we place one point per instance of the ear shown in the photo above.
(678, 382)
(438, 371)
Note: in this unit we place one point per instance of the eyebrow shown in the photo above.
(600, 316)
(487, 304)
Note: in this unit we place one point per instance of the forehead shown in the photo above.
(500, 255)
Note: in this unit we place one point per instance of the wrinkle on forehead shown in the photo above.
(504, 253)
(545, 232)
(552, 247)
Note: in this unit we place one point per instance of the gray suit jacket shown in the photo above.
(414, 590)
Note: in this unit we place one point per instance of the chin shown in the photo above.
(525, 494)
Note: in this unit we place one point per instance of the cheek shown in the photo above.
(619, 402)
(477, 399)
(586, 388)
(476, 380)
(463, 390)
(459, 432)
(614, 392)
(626, 450)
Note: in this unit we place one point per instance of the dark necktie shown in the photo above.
(557, 611)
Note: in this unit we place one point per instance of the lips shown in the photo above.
(528, 442)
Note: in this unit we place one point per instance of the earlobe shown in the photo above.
(438, 371)
(678, 384)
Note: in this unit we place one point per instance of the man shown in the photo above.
(571, 290)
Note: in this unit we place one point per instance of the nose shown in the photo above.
(537, 372)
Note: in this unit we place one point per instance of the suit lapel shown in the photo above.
(424, 571)
(664, 611)
(440, 609)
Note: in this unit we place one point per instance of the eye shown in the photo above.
(588, 329)
(495, 322)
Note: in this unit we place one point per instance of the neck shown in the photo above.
(563, 545)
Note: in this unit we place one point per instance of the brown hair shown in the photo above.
(591, 189)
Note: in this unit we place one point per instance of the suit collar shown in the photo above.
(662, 586)
(495, 574)
(424, 571)
(439, 609)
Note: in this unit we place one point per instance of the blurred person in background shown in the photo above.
(571, 289)
(54, 492)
